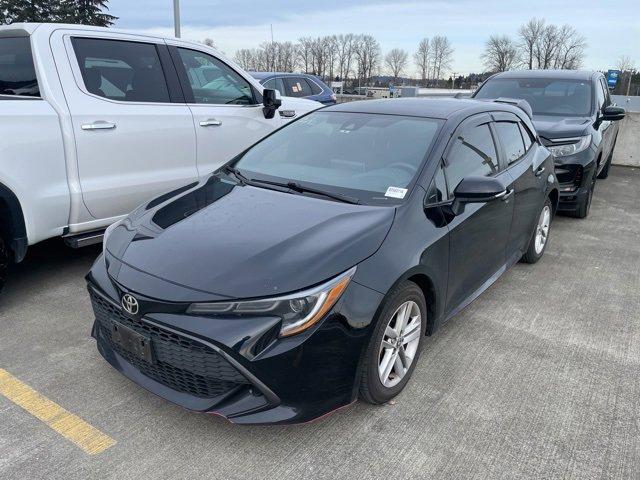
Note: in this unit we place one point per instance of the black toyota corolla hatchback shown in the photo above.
(309, 269)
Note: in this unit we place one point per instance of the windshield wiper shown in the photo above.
(295, 186)
(233, 171)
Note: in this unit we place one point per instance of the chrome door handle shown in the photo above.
(287, 113)
(212, 122)
(540, 171)
(99, 125)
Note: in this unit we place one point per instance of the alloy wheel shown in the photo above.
(399, 343)
(542, 230)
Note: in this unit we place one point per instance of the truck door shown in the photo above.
(227, 109)
(134, 134)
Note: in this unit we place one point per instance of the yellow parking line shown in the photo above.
(70, 426)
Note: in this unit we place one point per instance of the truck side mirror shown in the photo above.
(272, 101)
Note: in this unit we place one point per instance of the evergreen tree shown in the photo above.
(85, 12)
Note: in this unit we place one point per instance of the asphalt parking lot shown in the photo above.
(539, 378)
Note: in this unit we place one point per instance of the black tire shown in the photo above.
(607, 166)
(532, 255)
(5, 258)
(371, 388)
(585, 205)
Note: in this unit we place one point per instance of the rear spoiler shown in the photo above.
(517, 102)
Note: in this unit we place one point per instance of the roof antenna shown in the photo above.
(273, 51)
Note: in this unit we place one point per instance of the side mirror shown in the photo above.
(271, 100)
(612, 113)
(475, 189)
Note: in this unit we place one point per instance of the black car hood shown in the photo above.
(243, 241)
(551, 127)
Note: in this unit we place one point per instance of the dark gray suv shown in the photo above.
(575, 118)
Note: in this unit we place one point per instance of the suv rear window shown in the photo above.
(17, 72)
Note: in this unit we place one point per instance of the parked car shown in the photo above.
(300, 85)
(311, 267)
(94, 121)
(575, 118)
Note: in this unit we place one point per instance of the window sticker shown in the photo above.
(396, 192)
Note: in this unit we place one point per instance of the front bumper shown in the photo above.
(574, 174)
(239, 368)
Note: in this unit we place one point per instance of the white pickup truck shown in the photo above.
(95, 121)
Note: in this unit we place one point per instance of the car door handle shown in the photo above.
(540, 171)
(99, 125)
(287, 113)
(211, 122)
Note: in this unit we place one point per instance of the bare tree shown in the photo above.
(442, 55)
(529, 35)
(248, 59)
(570, 50)
(396, 61)
(344, 54)
(547, 46)
(367, 54)
(500, 54)
(209, 43)
(304, 53)
(423, 58)
(625, 64)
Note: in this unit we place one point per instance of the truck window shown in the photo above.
(213, 82)
(121, 70)
(17, 72)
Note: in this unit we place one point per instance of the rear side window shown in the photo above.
(298, 87)
(526, 136)
(17, 72)
(473, 153)
(511, 139)
(315, 89)
(121, 70)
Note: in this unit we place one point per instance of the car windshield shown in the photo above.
(370, 157)
(567, 98)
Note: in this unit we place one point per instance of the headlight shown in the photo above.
(571, 148)
(298, 311)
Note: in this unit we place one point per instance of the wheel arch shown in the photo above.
(554, 196)
(432, 294)
(12, 225)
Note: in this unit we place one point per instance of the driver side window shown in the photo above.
(473, 153)
(213, 82)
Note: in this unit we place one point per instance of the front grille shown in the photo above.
(181, 363)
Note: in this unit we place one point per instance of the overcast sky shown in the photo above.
(611, 31)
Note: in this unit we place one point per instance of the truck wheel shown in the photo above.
(4, 262)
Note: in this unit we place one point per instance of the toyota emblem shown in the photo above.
(130, 304)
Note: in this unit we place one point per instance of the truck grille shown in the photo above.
(182, 364)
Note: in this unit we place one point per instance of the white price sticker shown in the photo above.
(396, 192)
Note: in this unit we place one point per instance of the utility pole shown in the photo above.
(176, 17)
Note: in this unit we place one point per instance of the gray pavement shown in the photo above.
(539, 378)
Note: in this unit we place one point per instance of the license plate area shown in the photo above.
(132, 341)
